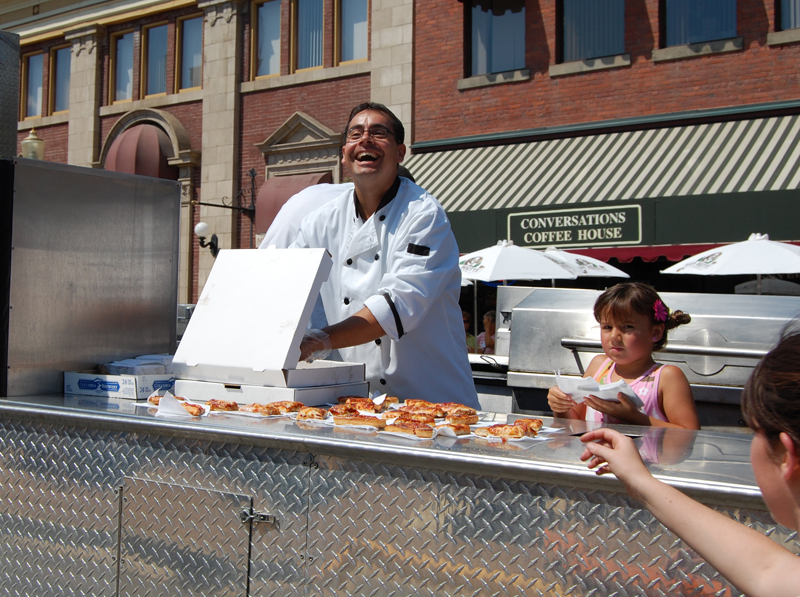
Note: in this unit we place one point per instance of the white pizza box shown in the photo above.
(246, 394)
(131, 387)
(250, 319)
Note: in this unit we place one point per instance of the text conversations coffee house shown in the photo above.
(640, 193)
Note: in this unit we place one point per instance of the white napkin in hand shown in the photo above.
(578, 388)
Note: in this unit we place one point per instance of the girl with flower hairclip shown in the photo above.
(633, 324)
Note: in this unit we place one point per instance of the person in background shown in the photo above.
(633, 323)
(486, 337)
(755, 564)
(391, 299)
(467, 319)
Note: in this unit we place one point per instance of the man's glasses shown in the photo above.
(379, 133)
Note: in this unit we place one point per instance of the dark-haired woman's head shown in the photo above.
(771, 398)
(620, 302)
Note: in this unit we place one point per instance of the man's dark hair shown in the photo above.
(397, 127)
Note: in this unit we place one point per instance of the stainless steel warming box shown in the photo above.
(553, 330)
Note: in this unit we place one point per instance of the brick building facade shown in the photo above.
(686, 133)
(218, 124)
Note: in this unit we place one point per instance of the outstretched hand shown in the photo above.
(609, 451)
(624, 410)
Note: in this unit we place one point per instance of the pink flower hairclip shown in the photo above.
(661, 311)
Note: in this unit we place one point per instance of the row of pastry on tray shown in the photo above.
(414, 417)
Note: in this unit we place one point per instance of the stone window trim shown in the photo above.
(719, 46)
(185, 97)
(41, 122)
(490, 79)
(314, 75)
(589, 65)
(778, 38)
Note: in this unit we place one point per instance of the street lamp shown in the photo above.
(201, 230)
(32, 146)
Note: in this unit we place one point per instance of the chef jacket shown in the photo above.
(402, 264)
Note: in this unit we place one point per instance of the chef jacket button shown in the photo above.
(346, 301)
(382, 218)
(383, 382)
(378, 341)
(349, 262)
(377, 257)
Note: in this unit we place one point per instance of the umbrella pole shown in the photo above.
(759, 283)
(475, 308)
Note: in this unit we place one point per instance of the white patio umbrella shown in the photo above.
(583, 266)
(757, 255)
(506, 261)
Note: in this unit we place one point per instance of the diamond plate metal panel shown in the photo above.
(345, 526)
(59, 515)
(371, 530)
(178, 540)
(376, 529)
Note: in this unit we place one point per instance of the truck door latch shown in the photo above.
(255, 517)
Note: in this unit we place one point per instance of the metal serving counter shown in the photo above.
(102, 497)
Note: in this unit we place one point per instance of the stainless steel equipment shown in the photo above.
(101, 497)
(88, 270)
(553, 330)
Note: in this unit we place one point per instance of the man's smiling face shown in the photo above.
(370, 159)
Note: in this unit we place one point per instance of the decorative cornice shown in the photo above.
(220, 9)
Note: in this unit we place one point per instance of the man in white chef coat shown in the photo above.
(392, 295)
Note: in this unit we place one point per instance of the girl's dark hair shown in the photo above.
(771, 398)
(621, 301)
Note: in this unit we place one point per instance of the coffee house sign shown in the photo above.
(591, 227)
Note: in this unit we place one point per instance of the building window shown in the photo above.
(696, 21)
(122, 67)
(60, 62)
(32, 84)
(353, 31)
(497, 30)
(592, 29)
(308, 34)
(268, 36)
(155, 60)
(790, 14)
(190, 57)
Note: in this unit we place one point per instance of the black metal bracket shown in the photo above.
(250, 212)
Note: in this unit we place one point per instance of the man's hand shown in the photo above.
(316, 345)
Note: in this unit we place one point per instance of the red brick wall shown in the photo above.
(263, 112)
(758, 73)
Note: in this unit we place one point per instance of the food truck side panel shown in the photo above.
(91, 272)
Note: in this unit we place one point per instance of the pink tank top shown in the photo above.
(646, 387)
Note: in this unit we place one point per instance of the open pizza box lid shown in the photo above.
(250, 320)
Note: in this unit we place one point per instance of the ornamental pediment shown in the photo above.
(300, 132)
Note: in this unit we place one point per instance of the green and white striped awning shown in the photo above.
(725, 157)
